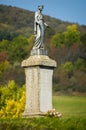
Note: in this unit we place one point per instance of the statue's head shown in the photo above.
(40, 7)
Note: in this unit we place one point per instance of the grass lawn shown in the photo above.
(70, 106)
(73, 111)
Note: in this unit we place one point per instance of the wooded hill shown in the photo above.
(16, 21)
(65, 42)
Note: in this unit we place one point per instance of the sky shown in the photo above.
(66, 10)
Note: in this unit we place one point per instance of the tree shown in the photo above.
(17, 50)
(4, 45)
(80, 64)
(83, 38)
(3, 56)
(67, 38)
(72, 35)
(68, 67)
(58, 39)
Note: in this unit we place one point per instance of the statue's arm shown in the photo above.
(35, 23)
(46, 24)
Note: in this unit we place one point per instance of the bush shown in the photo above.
(12, 100)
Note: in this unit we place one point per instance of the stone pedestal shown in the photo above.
(39, 73)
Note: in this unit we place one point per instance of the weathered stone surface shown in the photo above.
(39, 73)
(45, 89)
(32, 91)
(39, 60)
(38, 52)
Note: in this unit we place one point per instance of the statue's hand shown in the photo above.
(46, 24)
(35, 33)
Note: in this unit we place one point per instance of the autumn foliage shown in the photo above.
(65, 42)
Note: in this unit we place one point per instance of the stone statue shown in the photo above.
(39, 72)
(39, 29)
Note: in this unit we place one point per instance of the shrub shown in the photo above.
(12, 100)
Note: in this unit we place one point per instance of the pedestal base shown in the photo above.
(29, 114)
(39, 72)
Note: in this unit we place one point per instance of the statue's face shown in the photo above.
(40, 7)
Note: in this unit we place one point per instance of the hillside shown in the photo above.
(65, 42)
(16, 21)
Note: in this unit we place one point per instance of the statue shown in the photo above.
(39, 29)
(39, 72)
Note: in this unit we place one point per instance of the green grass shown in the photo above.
(70, 106)
(43, 123)
(73, 118)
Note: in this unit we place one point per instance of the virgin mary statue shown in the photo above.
(39, 29)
